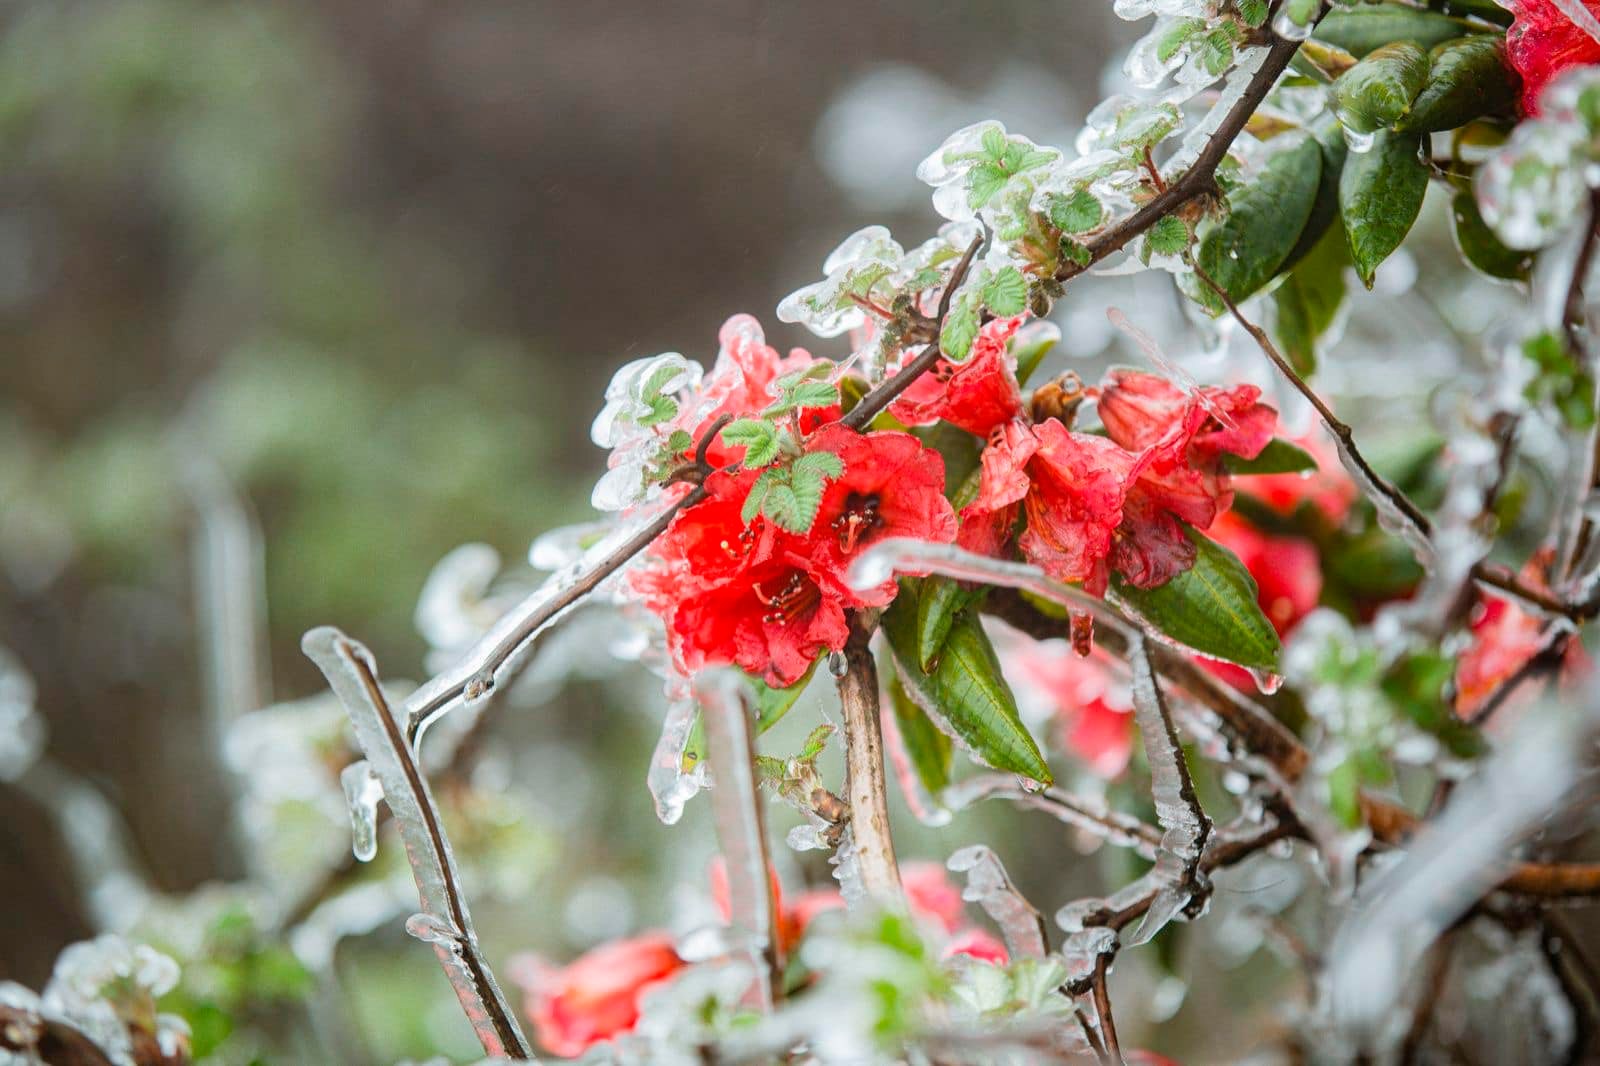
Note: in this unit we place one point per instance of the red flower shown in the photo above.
(1077, 486)
(978, 944)
(1287, 570)
(892, 486)
(975, 395)
(1543, 43)
(1142, 410)
(771, 601)
(596, 997)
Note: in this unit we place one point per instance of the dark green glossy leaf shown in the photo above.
(1380, 193)
(1308, 301)
(965, 695)
(928, 750)
(1479, 246)
(1278, 457)
(1363, 29)
(1211, 607)
(1467, 79)
(939, 599)
(1325, 208)
(1245, 250)
(1377, 92)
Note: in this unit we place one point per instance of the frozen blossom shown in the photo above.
(981, 165)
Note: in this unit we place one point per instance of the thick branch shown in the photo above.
(865, 788)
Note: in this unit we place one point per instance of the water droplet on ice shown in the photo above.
(1267, 681)
(362, 791)
(838, 665)
(431, 930)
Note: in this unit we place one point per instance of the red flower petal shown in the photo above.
(975, 395)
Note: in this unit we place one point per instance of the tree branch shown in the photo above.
(865, 788)
(1102, 1010)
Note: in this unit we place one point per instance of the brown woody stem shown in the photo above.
(866, 790)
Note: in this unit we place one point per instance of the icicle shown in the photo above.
(990, 887)
(22, 731)
(741, 829)
(669, 784)
(362, 791)
(847, 870)
(1083, 951)
(1186, 826)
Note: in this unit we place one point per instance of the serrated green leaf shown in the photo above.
(1006, 292)
(783, 506)
(758, 437)
(1365, 28)
(1211, 607)
(960, 329)
(984, 180)
(813, 394)
(1076, 252)
(939, 599)
(1078, 213)
(928, 750)
(1380, 194)
(816, 466)
(994, 143)
(1377, 92)
(1467, 79)
(1169, 236)
(1480, 247)
(1278, 457)
(1178, 34)
(662, 409)
(1309, 299)
(1254, 12)
(815, 741)
(1216, 52)
(965, 695)
(1245, 250)
(1034, 158)
(754, 502)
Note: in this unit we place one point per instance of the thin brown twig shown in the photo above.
(1102, 1009)
(866, 790)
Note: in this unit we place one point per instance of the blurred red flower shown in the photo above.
(596, 996)
(1544, 42)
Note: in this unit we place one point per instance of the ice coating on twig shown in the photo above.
(1083, 951)
(498, 655)
(352, 674)
(990, 887)
(1186, 827)
(1451, 863)
(1081, 812)
(1391, 516)
(737, 808)
(362, 791)
(670, 786)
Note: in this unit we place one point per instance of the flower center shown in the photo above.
(860, 517)
(740, 548)
(797, 596)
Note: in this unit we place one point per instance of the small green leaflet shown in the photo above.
(1211, 607)
(1278, 457)
(1380, 194)
(1005, 292)
(790, 496)
(804, 389)
(771, 705)
(759, 438)
(965, 695)
(960, 327)
(662, 407)
(1169, 236)
(1254, 12)
(1078, 213)
(1180, 33)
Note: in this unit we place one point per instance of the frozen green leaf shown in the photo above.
(1211, 607)
(758, 437)
(1265, 219)
(984, 181)
(928, 750)
(1480, 247)
(1006, 292)
(1377, 92)
(1254, 12)
(1467, 79)
(960, 328)
(1180, 33)
(965, 695)
(1309, 299)
(1365, 28)
(1078, 213)
(1380, 194)
(939, 599)
(1169, 236)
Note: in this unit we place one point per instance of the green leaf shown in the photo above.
(1254, 12)
(928, 750)
(1365, 28)
(1467, 79)
(995, 143)
(939, 599)
(1480, 247)
(816, 467)
(1278, 457)
(960, 329)
(1377, 92)
(1380, 194)
(1244, 251)
(784, 506)
(1031, 353)
(813, 394)
(984, 180)
(816, 740)
(1178, 34)
(1006, 292)
(1309, 299)
(1078, 213)
(758, 437)
(1325, 208)
(1169, 236)
(1216, 52)
(755, 502)
(1211, 607)
(965, 695)
(1033, 158)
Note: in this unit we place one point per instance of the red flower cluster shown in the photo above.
(1094, 504)
(1543, 43)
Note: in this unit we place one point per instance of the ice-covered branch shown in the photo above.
(866, 789)
(990, 887)
(443, 920)
(741, 828)
(1080, 812)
